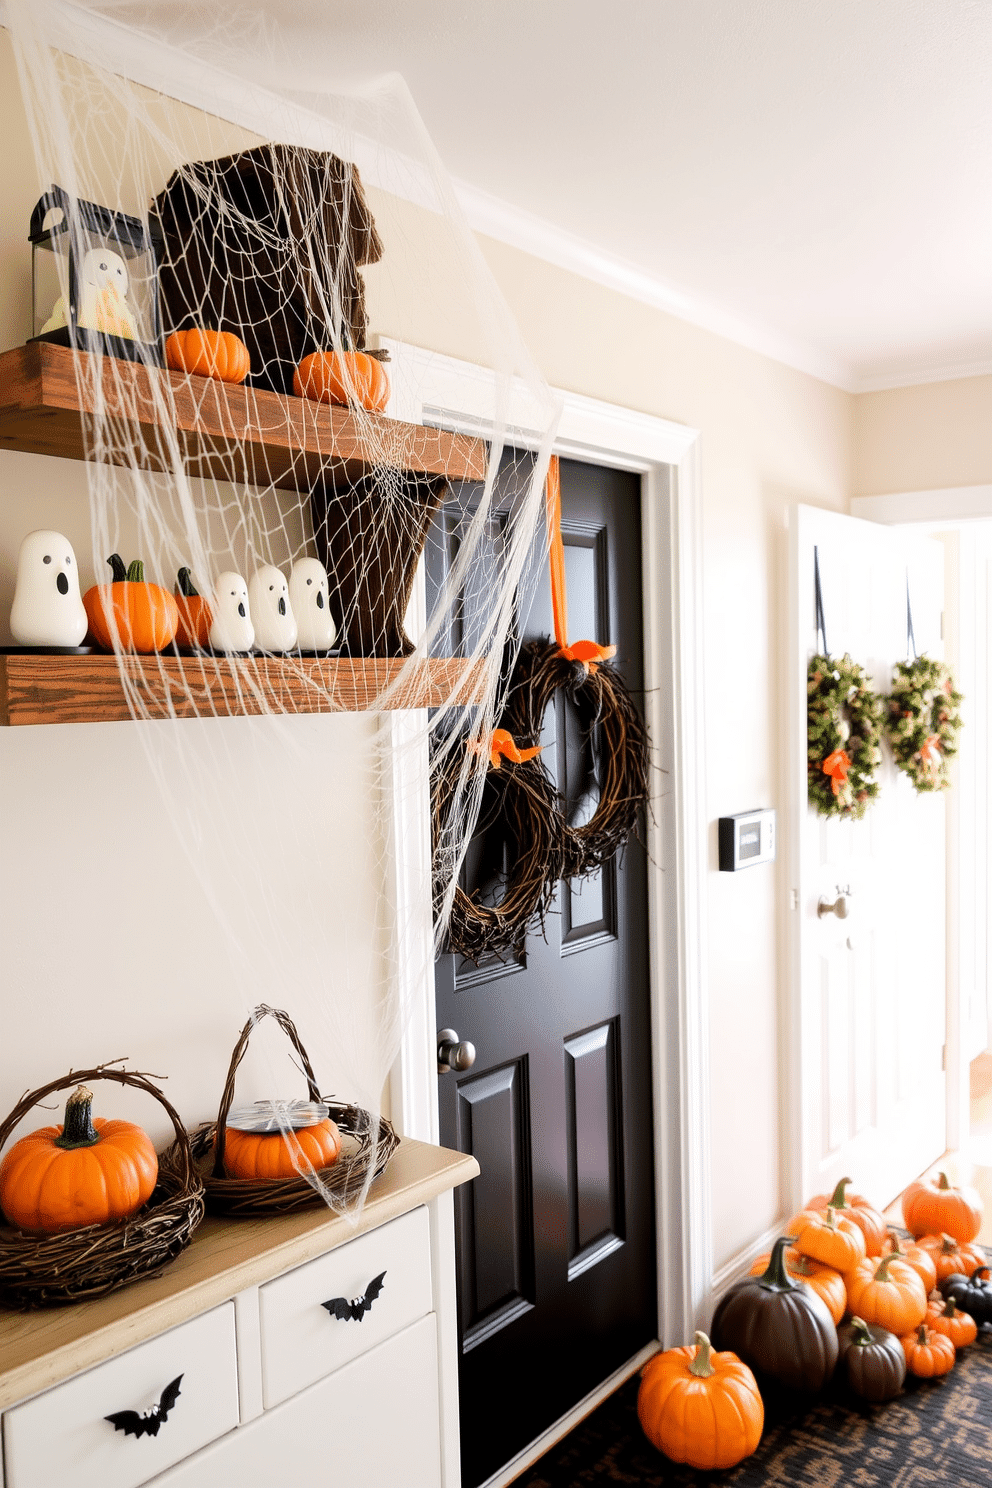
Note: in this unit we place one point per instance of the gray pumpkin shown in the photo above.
(873, 1358)
(779, 1327)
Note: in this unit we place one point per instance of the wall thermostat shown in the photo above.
(746, 839)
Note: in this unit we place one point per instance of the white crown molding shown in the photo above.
(881, 382)
(951, 504)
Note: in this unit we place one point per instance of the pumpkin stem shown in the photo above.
(862, 1333)
(136, 572)
(949, 1244)
(896, 1247)
(78, 1129)
(185, 585)
(949, 1309)
(944, 1181)
(839, 1200)
(702, 1365)
(882, 1274)
(118, 568)
(921, 1335)
(831, 1220)
(776, 1277)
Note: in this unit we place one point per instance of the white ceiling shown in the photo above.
(811, 177)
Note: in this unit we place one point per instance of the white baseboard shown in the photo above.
(554, 1434)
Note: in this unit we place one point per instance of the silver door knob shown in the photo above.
(841, 906)
(453, 1053)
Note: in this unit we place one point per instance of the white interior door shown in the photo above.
(868, 1009)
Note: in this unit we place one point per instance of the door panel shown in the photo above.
(556, 1261)
(871, 989)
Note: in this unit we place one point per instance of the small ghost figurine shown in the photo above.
(231, 628)
(47, 609)
(101, 295)
(271, 611)
(308, 596)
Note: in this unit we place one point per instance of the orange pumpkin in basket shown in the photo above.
(83, 1172)
(206, 353)
(278, 1154)
(343, 377)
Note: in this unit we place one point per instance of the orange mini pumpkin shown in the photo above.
(857, 1208)
(830, 1238)
(825, 1281)
(928, 1353)
(83, 1172)
(130, 612)
(700, 1407)
(278, 1154)
(951, 1256)
(947, 1317)
(887, 1292)
(921, 1260)
(206, 353)
(343, 377)
(933, 1206)
(195, 614)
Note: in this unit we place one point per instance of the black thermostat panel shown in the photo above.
(746, 840)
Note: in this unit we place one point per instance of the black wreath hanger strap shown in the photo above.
(821, 628)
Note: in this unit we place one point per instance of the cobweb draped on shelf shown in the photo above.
(301, 220)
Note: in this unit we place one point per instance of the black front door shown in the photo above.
(555, 1240)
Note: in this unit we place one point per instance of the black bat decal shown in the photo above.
(355, 1310)
(133, 1424)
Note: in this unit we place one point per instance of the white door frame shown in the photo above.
(439, 390)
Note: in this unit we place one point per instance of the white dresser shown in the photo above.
(276, 1384)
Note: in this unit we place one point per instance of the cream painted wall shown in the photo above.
(770, 436)
(923, 438)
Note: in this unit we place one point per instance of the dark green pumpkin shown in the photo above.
(779, 1327)
(873, 1359)
(973, 1294)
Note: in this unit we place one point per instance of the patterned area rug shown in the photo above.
(938, 1434)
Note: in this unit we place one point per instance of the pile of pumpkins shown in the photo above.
(847, 1293)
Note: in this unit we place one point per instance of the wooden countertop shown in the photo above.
(38, 1349)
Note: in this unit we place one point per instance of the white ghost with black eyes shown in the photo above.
(48, 608)
(231, 628)
(308, 596)
(271, 611)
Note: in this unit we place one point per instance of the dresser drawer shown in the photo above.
(303, 1339)
(62, 1436)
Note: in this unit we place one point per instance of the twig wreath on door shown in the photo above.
(606, 711)
(519, 799)
(844, 723)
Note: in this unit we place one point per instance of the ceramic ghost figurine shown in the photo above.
(102, 290)
(47, 608)
(271, 612)
(308, 596)
(231, 628)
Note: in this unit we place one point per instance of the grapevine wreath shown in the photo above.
(845, 718)
(924, 716)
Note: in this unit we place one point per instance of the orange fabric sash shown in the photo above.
(501, 745)
(836, 765)
(588, 653)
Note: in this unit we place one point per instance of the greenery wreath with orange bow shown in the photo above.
(845, 718)
(924, 717)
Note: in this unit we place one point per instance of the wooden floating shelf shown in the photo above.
(37, 689)
(50, 397)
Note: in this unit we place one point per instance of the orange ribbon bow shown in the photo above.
(930, 753)
(501, 745)
(836, 765)
(587, 653)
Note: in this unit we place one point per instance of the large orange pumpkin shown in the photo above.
(138, 616)
(279, 1155)
(887, 1292)
(700, 1407)
(83, 1172)
(951, 1256)
(825, 1281)
(343, 377)
(857, 1208)
(195, 614)
(208, 354)
(828, 1237)
(933, 1206)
